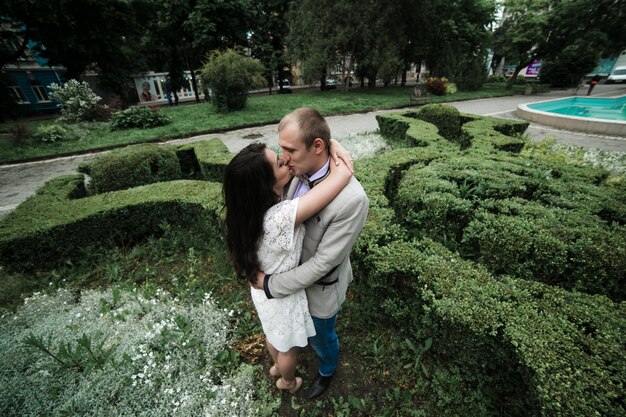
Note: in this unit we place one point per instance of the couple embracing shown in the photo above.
(291, 221)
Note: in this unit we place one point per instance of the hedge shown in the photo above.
(60, 219)
(500, 343)
(552, 235)
(500, 134)
(560, 247)
(133, 166)
(521, 346)
(50, 227)
(446, 118)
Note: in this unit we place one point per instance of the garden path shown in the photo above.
(19, 181)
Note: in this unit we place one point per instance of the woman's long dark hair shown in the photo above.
(248, 189)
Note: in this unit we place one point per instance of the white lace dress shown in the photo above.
(286, 321)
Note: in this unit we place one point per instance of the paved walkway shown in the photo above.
(19, 181)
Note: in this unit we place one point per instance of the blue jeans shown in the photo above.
(325, 343)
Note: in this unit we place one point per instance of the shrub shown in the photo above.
(230, 75)
(78, 102)
(51, 133)
(436, 86)
(112, 352)
(496, 79)
(520, 80)
(59, 221)
(204, 160)
(134, 166)
(58, 226)
(446, 118)
(505, 343)
(432, 208)
(138, 117)
(560, 247)
(488, 133)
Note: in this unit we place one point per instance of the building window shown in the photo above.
(39, 90)
(17, 94)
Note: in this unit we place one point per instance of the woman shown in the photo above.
(265, 233)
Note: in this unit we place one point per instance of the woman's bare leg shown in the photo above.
(287, 367)
(273, 351)
(286, 362)
(274, 354)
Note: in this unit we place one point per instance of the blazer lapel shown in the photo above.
(292, 187)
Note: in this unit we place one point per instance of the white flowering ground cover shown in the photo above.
(364, 145)
(120, 353)
(610, 160)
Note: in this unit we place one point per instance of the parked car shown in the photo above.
(286, 87)
(331, 83)
(618, 75)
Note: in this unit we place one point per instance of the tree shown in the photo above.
(568, 36)
(82, 34)
(314, 36)
(457, 45)
(367, 35)
(521, 33)
(580, 32)
(230, 75)
(183, 32)
(268, 38)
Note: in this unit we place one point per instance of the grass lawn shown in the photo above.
(193, 119)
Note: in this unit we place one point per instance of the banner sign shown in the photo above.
(533, 69)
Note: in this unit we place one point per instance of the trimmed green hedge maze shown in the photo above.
(63, 216)
(514, 267)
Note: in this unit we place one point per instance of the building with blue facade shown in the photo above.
(30, 78)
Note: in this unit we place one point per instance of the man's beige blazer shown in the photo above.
(325, 269)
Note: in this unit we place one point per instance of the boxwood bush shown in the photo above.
(499, 342)
(133, 166)
(446, 118)
(60, 219)
(521, 346)
(570, 249)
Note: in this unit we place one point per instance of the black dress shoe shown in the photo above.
(319, 385)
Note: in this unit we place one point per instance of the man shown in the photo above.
(325, 270)
(594, 81)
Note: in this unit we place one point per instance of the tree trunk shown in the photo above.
(194, 84)
(518, 69)
(189, 66)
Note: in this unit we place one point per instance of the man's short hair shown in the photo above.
(311, 125)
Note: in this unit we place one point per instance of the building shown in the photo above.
(30, 77)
